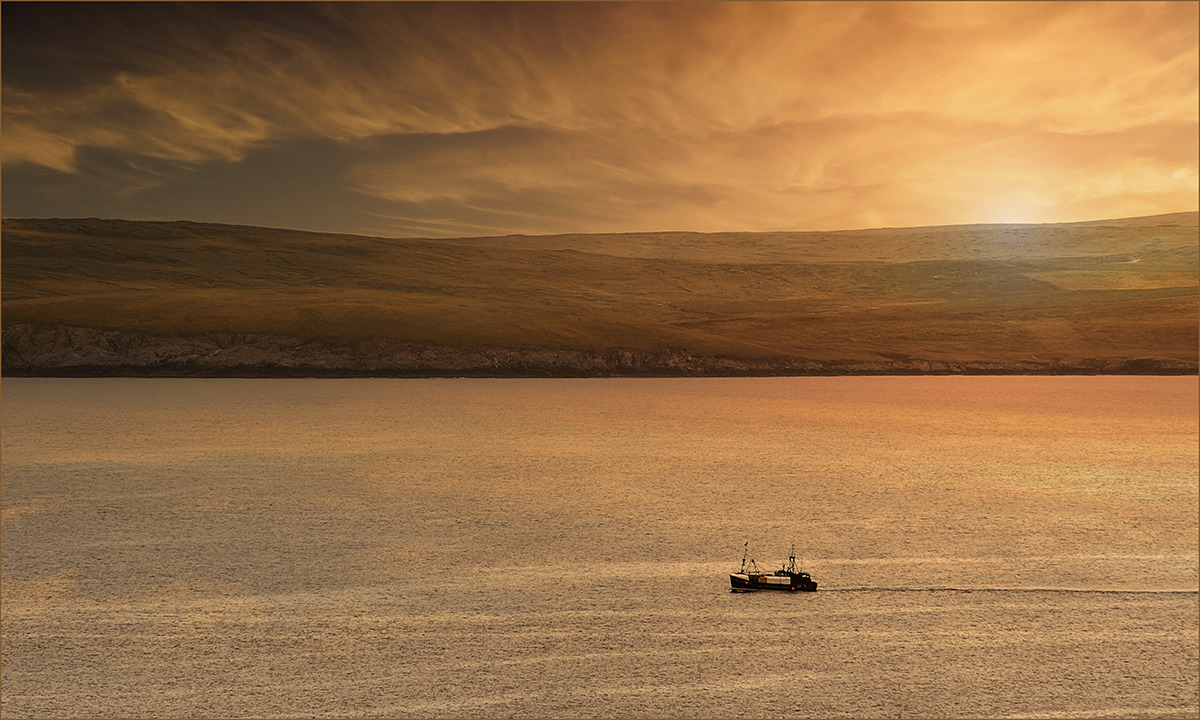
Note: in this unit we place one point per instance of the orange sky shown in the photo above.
(418, 119)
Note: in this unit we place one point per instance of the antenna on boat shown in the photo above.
(745, 552)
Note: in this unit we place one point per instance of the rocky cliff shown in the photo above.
(88, 352)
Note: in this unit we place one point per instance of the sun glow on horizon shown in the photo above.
(1015, 207)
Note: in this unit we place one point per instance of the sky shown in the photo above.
(470, 119)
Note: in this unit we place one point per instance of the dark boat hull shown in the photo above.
(750, 582)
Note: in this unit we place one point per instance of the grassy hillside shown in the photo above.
(1002, 293)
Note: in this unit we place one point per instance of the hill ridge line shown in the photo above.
(1194, 215)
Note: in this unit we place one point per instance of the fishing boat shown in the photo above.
(785, 578)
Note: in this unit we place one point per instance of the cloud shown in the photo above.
(546, 117)
(828, 174)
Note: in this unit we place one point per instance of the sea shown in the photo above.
(999, 547)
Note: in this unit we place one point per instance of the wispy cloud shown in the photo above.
(556, 117)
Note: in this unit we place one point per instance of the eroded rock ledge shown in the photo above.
(88, 352)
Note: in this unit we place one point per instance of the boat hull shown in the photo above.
(749, 582)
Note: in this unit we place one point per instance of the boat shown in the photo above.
(786, 578)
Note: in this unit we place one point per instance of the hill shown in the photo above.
(105, 297)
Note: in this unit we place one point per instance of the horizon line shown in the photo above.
(624, 232)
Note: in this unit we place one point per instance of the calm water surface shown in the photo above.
(988, 547)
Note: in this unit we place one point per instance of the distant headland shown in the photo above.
(95, 298)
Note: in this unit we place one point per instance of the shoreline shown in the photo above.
(62, 351)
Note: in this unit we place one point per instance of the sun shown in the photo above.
(1012, 207)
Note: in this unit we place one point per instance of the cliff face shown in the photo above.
(88, 352)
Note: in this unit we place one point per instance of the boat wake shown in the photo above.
(1118, 591)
